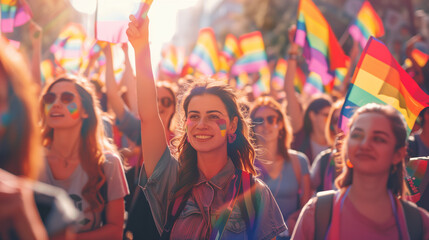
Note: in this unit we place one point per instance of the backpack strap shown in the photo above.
(323, 213)
(413, 219)
(174, 209)
(324, 162)
(296, 168)
(247, 203)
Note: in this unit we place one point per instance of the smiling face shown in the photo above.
(66, 109)
(267, 124)
(208, 123)
(371, 145)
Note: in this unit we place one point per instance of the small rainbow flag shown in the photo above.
(172, 60)
(279, 74)
(231, 48)
(69, 46)
(321, 49)
(254, 57)
(14, 13)
(314, 84)
(416, 170)
(379, 78)
(367, 24)
(263, 83)
(112, 18)
(299, 80)
(205, 56)
(420, 57)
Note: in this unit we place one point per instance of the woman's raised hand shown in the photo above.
(138, 32)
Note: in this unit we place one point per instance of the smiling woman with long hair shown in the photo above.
(79, 158)
(199, 195)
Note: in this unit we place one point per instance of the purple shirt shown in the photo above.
(206, 202)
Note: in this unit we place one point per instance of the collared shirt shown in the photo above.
(207, 202)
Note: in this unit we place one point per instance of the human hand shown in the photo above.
(138, 33)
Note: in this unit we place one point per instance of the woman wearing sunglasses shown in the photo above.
(285, 171)
(368, 204)
(28, 209)
(198, 196)
(327, 165)
(80, 160)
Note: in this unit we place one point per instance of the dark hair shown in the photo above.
(316, 105)
(285, 134)
(330, 133)
(399, 129)
(241, 151)
(20, 150)
(93, 142)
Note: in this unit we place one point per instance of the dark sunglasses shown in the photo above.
(50, 97)
(165, 102)
(260, 120)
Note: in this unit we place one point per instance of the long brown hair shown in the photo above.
(92, 142)
(285, 134)
(395, 180)
(241, 151)
(20, 151)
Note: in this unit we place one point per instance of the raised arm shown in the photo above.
(129, 81)
(293, 109)
(152, 130)
(112, 91)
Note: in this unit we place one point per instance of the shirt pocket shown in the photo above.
(236, 223)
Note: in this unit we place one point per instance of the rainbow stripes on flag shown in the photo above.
(278, 80)
(172, 61)
(68, 47)
(205, 56)
(420, 57)
(231, 48)
(379, 78)
(321, 49)
(299, 80)
(14, 13)
(112, 18)
(314, 84)
(367, 24)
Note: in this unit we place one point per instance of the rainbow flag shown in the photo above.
(379, 78)
(112, 18)
(254, 57)
(14, 13)
(172, 61)
(231, 48)
(313, 84)
(416, 170)
(205, 56)
(299, 80)
(420, 57)
(47, 71)
(367, 24)
(321, 49)
(69, 47)
(279, 74)
(242, 80)
(263, 83)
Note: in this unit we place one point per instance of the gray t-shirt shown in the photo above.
(285, 187)
(117, 188)
(206, 202)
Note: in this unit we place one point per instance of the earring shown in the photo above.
(231, 137)
(349, 164)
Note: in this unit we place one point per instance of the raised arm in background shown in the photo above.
(128, 80)
(294, 109)
(36, 45)
(152, 131)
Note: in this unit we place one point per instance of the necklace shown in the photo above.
(66, 159)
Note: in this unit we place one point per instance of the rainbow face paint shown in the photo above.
(222, 125)
(72, 107)
(48, 108)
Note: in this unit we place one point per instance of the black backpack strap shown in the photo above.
(323, 213)
(414, 220)
(172, 217)
(103, 193)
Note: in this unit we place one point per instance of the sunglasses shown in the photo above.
(270, 119)
(65, 97)
(165, 102)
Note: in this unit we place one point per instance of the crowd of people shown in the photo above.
(203, 164)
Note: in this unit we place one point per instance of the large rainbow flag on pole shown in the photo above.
(205, 56)
(321, 49)
(367, 24)
(231, 48)
(112, 18)
(379, 78)
(14, 13)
